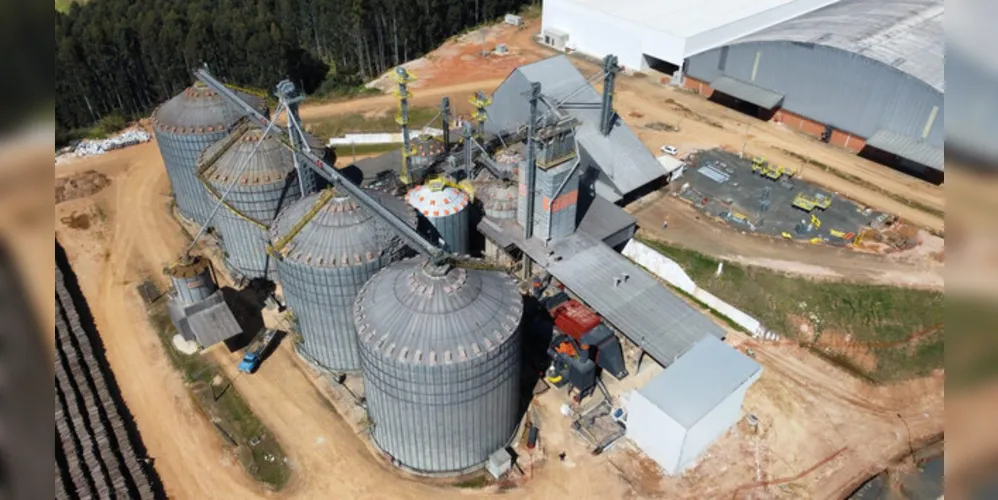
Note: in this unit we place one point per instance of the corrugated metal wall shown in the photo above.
(180, 155)
(322, 301)
(443, 418)
(454, 230)
(244, 241)
(845, 90)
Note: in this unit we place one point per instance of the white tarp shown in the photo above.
(90, 147)
(381, 138)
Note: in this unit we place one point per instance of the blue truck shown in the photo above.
(254, 353)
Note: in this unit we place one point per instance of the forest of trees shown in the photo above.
(124, 57)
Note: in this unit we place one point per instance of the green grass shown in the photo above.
(872, 314)
(336, 126)
(223, 402)
(869, 185)
(476, 481)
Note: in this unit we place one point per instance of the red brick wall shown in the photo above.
(702, 87)
(839, 138)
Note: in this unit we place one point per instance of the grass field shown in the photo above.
(866, 329)
(338, 125)
(216, 397)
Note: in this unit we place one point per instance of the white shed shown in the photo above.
(677, 415)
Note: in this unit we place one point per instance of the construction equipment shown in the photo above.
(758, 163)
(807, 203)
(804, 228)
(581, 343)
(769, 170)
(254, 353)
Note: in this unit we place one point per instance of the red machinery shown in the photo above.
(581, 343)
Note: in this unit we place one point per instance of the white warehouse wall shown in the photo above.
(658, 435)
(596, 34)
(714, 424)
(757, 22)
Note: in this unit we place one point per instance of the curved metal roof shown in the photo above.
(337, 232)
(199, 110)
(222, 161)
(408, 313)
(904, 34)
(437, 203)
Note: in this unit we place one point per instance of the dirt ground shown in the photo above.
(809, 411)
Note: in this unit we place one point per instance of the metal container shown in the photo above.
(326, 248)
(499, 201)
(441, 356)
(184, 126)
(192, 280)
(425, 149)
(266, 184)
(444, 209)
(509, 162)
(532, 438)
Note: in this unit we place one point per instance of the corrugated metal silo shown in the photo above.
(327, 248)
(184, 126)
(509, 162)
(441, 355)
(192, 279)
(499, 201)
(444, 208)
(268, 183)
(425, 150)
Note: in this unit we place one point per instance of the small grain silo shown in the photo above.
(509, 162)
(268, 182)
(499, 202)
(327, 247)
(444, 209)
(424, 151)
(441, 354)
(184, 126)
(192, 279)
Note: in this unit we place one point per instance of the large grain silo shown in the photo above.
(327, 247)
(184, 126)
(424, 152)
(441, 355)
(264, 183)
(444, 208)
(192, 279)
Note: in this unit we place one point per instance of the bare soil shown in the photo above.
(820, 427)
(79, 185)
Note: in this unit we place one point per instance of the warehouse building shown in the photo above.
(660, 34)
(865, 75)
(677, 415)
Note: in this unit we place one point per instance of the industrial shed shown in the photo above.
(660, 34)
(677, 415)
(614, 165)
(866, 75)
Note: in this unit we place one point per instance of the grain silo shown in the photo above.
(327, 247)
(265, 183)
(509, 162)
(425, 150)
(441, 356)
(499, 202)
(444, 209)
(192, 279)
(184, 126)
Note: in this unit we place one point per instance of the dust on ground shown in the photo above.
(80, 185)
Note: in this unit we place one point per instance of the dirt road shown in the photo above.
(424, 97)
(139, 236)
(689, 229)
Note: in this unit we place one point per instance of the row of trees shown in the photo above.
(126, 56)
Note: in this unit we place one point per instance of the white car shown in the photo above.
(670, 150)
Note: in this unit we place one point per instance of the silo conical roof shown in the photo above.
(415, 315)
(328, 229)
(271, 163)
(200, 110)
